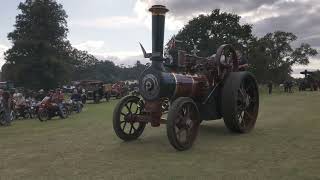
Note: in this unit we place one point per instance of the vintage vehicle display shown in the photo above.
(48, 110)
(309, 81)
(116, 90)
(93, 90)
(189, 89)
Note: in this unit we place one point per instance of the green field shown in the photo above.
(284, 145)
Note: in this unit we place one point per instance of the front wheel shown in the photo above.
(183, 123)
(124, 126)
(240, 102)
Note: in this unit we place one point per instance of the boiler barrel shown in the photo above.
(171, 85)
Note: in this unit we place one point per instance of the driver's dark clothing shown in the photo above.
(242, 61)
(76, 97)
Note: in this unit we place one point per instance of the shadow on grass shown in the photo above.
(215, 129)
(158, 142)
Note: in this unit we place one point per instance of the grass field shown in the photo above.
(284, 145)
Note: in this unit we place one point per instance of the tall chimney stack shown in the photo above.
(158, 23)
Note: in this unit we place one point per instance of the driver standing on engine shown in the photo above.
(243, 62)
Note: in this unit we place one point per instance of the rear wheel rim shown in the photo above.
(247, 104)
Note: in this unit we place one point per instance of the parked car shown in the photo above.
(93, 90)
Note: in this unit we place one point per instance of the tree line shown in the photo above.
(271, 57)
(41, 56)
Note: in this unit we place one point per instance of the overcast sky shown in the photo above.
(113, 28)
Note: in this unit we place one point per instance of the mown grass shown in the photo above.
(284, 145)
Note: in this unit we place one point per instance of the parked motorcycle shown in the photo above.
(22, 111)
(77, 106)
(48, 110)
(34, 107)
(74, 106)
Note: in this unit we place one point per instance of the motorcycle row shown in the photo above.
(52, 105)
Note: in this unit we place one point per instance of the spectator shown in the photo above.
(6, 102)
(270, 87)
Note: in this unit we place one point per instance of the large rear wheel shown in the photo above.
(183, 123)
(240, 102)
(124, 126)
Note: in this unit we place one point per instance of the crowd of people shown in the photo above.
(24, 103)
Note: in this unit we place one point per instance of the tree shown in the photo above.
(272, 56)
(208, 32)
(40, 55)
(82, 62)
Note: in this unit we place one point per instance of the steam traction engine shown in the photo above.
(189, 89)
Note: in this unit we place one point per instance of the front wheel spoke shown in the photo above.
(131, 128)
(135, 129)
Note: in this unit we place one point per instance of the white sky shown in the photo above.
(112, 29)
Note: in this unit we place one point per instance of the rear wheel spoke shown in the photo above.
(249, 115)
(124, 126)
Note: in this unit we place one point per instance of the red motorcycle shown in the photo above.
(48, 109)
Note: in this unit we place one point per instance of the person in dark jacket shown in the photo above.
(77, 99)
(76, 96)
(270, 87)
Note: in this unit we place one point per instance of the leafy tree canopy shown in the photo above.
(39, 57)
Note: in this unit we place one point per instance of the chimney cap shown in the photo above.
(158, 10)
